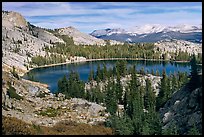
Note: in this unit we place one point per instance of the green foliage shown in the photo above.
(31, 77)
(12, 93)
(157, 73)
(119, 90)
(110, 99)
(162, 97)
(199, 58)
(62, 85)
(194, 81)
(171, 130)
(194, 131)
(50, 112)
(99, 74)
(182, 56)
(149, 98)
(42, 95)
(174, 83)
(48, 59)
(14, 73)
(37, 128)
(123, 126)
(17, 49)
(108, 51)
(121, 67)
(71, 87)
(91, 75)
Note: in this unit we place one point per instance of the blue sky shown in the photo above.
(89, 16)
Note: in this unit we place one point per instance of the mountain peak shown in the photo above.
(11, 19)
(108, 31)
(147, 28)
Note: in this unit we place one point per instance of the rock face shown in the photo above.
(13, 19)
(19, 43)
(174, 46)
(46, 36)
(79, 37)
(184, 110)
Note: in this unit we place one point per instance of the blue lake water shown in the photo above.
(51, 75)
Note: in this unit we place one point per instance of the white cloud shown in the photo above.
(103, 15)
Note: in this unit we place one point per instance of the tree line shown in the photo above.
(59, 52)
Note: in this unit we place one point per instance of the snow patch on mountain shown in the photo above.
(148, 28)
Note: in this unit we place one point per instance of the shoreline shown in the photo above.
(100, 59)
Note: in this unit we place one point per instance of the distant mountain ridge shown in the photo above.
(151, 33)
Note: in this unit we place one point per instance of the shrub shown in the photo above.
(14, 73)
(42, 95)
(12, 93)
(50, 112)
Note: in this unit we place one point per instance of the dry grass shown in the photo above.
(14, 126)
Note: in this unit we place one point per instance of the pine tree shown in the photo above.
(152, 72)
(62, 86)
(137, 113)
(149, 98)
(121, 67)
(105, 72)
(110, 99)
(142, 71)
(135, 102)
(155, 123)
(146, 127)
(119, 89)
(193, 130)
(125, 102)
(174, 84)
(133, 86)
(168, 88)
(157, 73)
(14, 73)
(114, 71)
(98, 73)
(194, 79)
(163, 90)
(171, 130)
(91, 75)
(124, 126)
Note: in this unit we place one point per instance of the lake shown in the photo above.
(51, 75)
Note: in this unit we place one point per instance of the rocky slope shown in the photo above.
(80, 38)
(183, 110)
(36, 105)
(176, 46)
(46, 36)
(13, 19)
